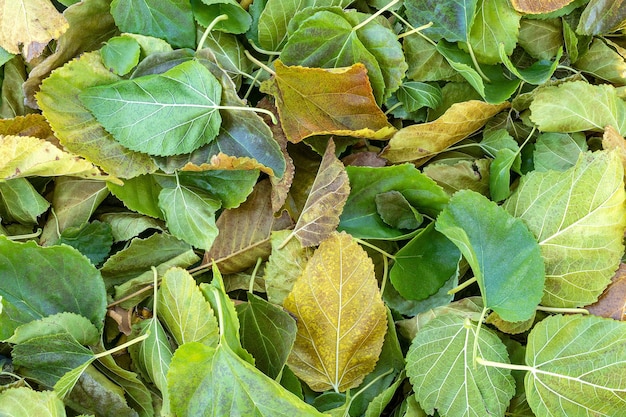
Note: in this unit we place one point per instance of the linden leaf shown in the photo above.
(341, 317)
(316, 101)
(579, 225)
(330, 190)
(31, 23)
(420, 142)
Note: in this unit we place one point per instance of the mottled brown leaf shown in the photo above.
(245, 232)
(420, 142)
(34, 125)
(613, 140)
(538, 6)
(316, 101)
(612, 303)
(222, 161)
(341, 317)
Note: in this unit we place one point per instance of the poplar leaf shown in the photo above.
(341, 317)
(420, 142)
(579, 225)
(315, 101)
(330, 190)
(577, 366)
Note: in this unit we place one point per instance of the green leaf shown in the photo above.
(120, 54)
(205, 11)
(471, 175)
(190, 215)
(424, 264)
(20, 202)
(578, 106)
(575, 362)
(76, 127)
(30, 272)
(74, 325)
(171, 20)
(601, 17)
(495, 26)
(444, 375)
(229, 54)
(558, 151)
(542, 39)
(268, 333)
(603, 62)
(144, 113)
(94, 240)
(425, 62)
(126, 225)
(396, 211)
(204, 381)
(360, 216)
(578, 224)
(500, 173)
(26, 402)
(184, 311)
(68, 381)
(140, 194)
(380, 402)
(488, 236)
(452, 19)
(415, 95)
(538, 73)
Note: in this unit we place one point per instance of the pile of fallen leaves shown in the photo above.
(312, 207)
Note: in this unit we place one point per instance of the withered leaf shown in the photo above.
(316, 101)
(341, 317)
(612, 303)
(538, 6)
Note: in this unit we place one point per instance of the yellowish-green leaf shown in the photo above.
(613, 140)
(330, 190)
(26, 402)
(316, 101)
(341, 317)
(30, 24)
(27, 156)
(579, 225)
(420, 142)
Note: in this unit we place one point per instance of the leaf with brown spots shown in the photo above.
(612, 302)
(539, 6)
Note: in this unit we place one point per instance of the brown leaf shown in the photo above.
(613, 140)
(316, 101)
(341, 317)
(34, 125)
(420, 142)
(245, 232)
(612, 303)
(30, 24)
(364, 159)
(122, 317)
(330, 190)
(538, 6)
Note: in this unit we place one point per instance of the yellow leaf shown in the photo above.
(316, 101)
(539, 6)
(221, 161)
(613, 140)
(421, 142)
(25, 156)
(31, 23)
(341, 317)
(30, 125)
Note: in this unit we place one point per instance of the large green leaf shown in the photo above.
(538, 73)
(579, 225)
(496, 26)
(445, 377)
(31, 272)
(602, 16)
(558, 151)
(452, 19)
(603, 62)
(20, 202)
(204, 381)
(360, 216)
(578, 106)
(576, 365)
(171, 20)
(503, 253)
(165, 114)
(26, 402)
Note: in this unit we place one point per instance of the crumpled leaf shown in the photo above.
(538, 6)
(578, 106)
(76, 127)
(576, 363)
(340, 314)
(612, 303)
(579, 226)
(164, 114)
(26, 402)
(315, 101)
(420, 142)
(487, 236)
(330, 190)
(444, 375)
(209, 382)
(30, 24)
(27, 156)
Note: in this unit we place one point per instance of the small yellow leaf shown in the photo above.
(341, 317)
(539, 6)
(421, 142)
(316, 101)
(221, 161)
(31, 23)
(25, 156)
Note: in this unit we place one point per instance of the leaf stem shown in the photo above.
(27, 236)
(253, 109)
(511, 366)
(253, 276)
(209, 28)
(282, 245)
(476, 339)
(563, 310)
(122, 346)
(415, 30)
(155, 283)
(261, 50)
(376, 248)
(259, 63)
(476, 65)
(462, 286)
(375, 15)
(392, 108)
(129, 296)
(385, 274)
